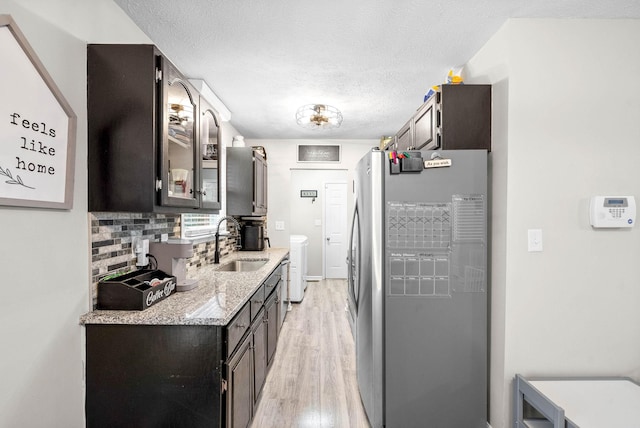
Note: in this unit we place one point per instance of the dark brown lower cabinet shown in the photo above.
(153, 376)
(239, 402)
(180, 376)
(261, 345)
(259, 342)
(272, 309)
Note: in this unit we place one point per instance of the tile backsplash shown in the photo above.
(111, 242)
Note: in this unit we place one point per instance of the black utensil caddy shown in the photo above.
(135, 290)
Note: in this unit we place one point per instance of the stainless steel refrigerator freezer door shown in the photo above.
(369, 318)
(435, 295)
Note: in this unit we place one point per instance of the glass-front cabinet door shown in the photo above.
(179, 142)
(209, 157)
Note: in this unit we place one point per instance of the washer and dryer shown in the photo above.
(298, 269)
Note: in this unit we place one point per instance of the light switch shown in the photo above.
(318, 222)
(279, 225)
(534, 241)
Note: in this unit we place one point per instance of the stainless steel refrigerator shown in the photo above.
(418, 288)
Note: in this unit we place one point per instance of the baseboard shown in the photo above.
(314, 278)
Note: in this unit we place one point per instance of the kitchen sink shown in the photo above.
(243, 265)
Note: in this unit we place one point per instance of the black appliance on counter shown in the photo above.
(252, 237)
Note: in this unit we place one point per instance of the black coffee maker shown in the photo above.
(252, 237)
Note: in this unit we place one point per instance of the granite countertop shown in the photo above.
(217, 298)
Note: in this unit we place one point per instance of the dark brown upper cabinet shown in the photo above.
(425, 126)
(145, 134)
(455, 117)
(404, 137)
(246, 182)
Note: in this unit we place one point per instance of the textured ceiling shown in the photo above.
(374, 60)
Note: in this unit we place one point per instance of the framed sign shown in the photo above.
(37, 129)
(319, 153)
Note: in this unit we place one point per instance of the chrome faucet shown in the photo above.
(216, 254)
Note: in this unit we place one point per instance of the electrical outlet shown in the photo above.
(534, 240)
(279, 225)
(135, 244)
(142, 252)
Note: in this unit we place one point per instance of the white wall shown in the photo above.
(307, 216)
(281, 159)
(45, 253)
(567, 109)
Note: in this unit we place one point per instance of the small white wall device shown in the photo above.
(612, 211)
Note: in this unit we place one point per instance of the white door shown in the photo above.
(335, 230)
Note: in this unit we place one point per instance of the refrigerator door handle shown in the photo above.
(350, 276)
(350, 255)
(356, 280)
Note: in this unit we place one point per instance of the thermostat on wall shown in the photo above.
(612, 211)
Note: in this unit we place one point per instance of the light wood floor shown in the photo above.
(313, 379)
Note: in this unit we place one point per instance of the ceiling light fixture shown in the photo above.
(318, 116)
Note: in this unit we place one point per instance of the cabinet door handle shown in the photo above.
(241, 326)
(257, 302)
